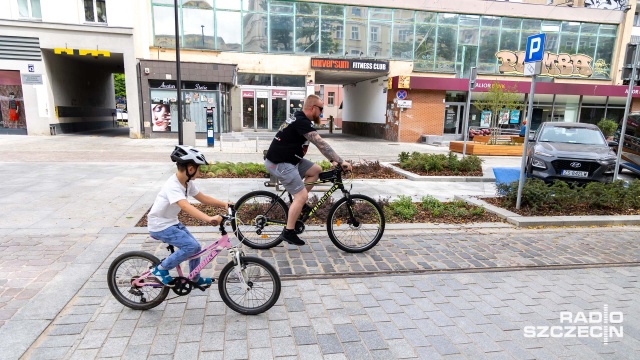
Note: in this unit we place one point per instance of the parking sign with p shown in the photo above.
(535, 48)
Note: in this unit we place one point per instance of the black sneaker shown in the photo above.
(291, 237)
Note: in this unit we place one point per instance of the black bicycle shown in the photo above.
(355, 223)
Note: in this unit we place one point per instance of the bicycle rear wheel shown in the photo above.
(128, 267)
(261, 217)
(261, 278)
(355, 224)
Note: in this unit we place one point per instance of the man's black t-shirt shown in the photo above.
(289, 145)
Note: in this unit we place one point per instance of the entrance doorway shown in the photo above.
(266, 109)
(453, 115)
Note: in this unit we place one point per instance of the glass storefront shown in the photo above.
(436, 42)
(267, 108)
(196, 98)
(12, 114)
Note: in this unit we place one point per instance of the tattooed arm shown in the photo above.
(322, 145)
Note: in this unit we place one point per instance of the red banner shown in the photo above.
(247, 94)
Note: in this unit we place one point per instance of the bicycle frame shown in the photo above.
(213, 250)
(337, 184)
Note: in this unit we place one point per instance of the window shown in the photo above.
(330, 98)
(95, 11)
(355, 33)
(356, 52)
(339, 31)
(356, 11)
(636, 20)
(374, 33)
(29, 9)
(404, 34)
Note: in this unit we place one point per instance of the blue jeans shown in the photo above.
(178, 236)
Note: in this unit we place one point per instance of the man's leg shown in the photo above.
(295, 209)
(312, 175)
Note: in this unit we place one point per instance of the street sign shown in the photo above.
(402, 94)
(532, 68)
(535, 48)
(31, 68)
(406, 104)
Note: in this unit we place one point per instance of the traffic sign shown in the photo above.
(401, 94)
(532, 68)
(535, 48)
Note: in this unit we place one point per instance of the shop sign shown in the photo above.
(350, 65)
(554, 65)
(162, 84)
(297, 94)
(405, 104)
(262, 94)
(279, 93)
(404, 82)
(247, 94)
(186, 85)
(31, 79)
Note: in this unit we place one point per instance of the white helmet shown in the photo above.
(184, 154)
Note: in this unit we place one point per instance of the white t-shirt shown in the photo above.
(165, 209)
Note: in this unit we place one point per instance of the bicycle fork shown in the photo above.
(240, 271)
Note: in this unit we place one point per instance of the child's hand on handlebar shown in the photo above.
(215, 220)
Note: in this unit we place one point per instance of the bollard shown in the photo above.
(256, 144)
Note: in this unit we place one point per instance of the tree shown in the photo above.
(496, 99)
(119, 85)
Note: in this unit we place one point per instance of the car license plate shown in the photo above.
(575, 173)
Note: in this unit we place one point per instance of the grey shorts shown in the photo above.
(290, 176)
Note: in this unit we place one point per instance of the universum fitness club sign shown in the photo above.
(350, 65)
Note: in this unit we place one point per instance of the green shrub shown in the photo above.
(429, 202)
(438, 162)
(607, 126)
(477, 211)
(221, 169)
(404, 207)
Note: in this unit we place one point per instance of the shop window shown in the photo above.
(95, 11)
(255, 32)
(229, 30)
(198, 26)
(307, 30)
(288, 80)
(254, 79)
(281, 33)
(330, 98)
(29, 9)
(163, 27)
(332, 34)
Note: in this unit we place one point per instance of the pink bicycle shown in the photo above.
(247, 284)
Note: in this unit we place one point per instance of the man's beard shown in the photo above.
(317, 120)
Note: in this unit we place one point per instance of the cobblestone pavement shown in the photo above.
(450, 316)
(475, 315)
(436, 250)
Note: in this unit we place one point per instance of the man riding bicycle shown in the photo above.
(285, 159)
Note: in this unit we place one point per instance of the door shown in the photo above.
(248, 109)
(453, 115)
(262, 110)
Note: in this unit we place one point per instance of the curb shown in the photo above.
(487, 176)
(530, 221)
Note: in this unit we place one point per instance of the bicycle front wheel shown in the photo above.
(257, 293)
(261, 217)
(355, 224)
(124, 270)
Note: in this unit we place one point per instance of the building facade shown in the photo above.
(251, 63)
(284, 49)
(57, 60)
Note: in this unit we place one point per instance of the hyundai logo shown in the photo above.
(575, 164)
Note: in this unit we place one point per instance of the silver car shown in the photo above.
(574, 152)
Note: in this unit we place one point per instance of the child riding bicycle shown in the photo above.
(162, 220)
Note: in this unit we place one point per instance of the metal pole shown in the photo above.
(179, 83)
(526, 141)
(466, 121)
(632, 82)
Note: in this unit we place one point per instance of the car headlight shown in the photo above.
(541, 153)
(538, 163)
(608, 158)
(610, 169)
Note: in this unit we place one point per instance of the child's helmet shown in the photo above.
(184, 154)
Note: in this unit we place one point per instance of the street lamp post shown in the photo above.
(179, 84)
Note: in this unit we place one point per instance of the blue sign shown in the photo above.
(401, 94)
(535, 48)
(31, 68)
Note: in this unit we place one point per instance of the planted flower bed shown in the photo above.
(399, 210)
(563, 199)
